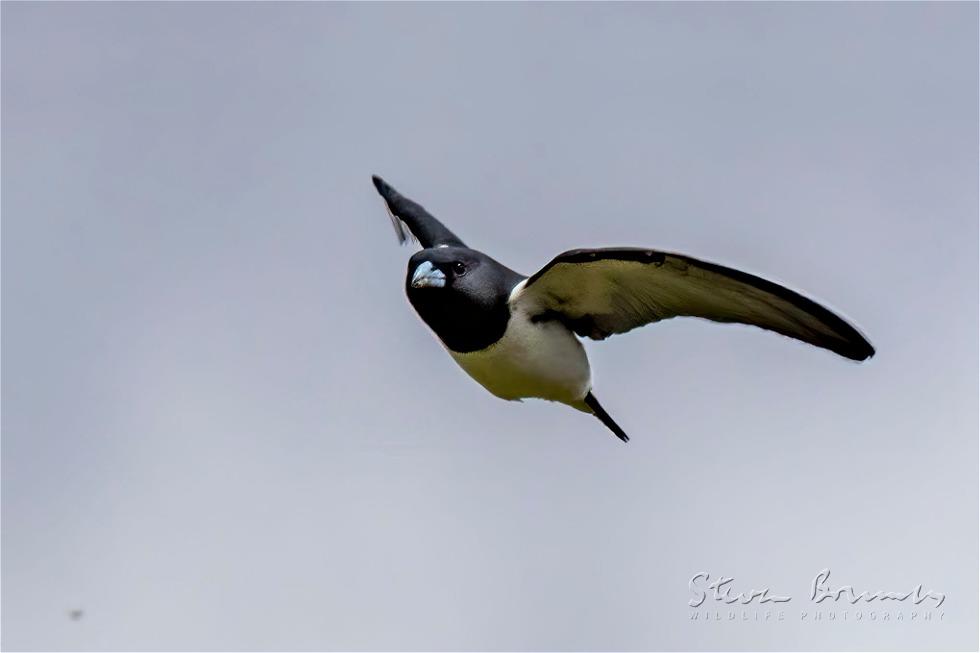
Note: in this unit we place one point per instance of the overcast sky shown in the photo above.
(224, 427)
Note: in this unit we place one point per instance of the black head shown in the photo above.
(461, 294)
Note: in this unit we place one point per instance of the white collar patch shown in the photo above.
(516, 290)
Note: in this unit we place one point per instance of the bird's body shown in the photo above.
(540, 359)
(517, 336)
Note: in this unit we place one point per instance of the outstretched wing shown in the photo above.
(409, 217)
(599, 292)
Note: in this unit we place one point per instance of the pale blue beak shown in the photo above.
(428, 276)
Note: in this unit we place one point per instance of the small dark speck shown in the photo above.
(76, 614)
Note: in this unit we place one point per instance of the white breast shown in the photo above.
(532, 359)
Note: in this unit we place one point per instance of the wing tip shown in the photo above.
(846, 341)
(859, 350)
(380, 184)
(387, 195)
(384, 189)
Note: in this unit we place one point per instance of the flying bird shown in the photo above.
(518, 336)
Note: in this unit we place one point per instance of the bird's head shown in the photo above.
(440, 272)
(458, 290)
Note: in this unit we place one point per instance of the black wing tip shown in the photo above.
(382, 186)
(386, 190)
(857, 349)
(847, 341)
(389, 194)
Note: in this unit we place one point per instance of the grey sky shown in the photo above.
(223, 426)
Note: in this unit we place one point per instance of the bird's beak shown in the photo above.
(428, 276)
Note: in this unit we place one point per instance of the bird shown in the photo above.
(519, 336)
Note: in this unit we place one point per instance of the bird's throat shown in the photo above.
(462, 325)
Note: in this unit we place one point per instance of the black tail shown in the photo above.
(604, 417)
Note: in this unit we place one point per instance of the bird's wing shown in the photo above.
(409, 218)
(599, 292)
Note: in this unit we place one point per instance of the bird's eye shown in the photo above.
(458, 268)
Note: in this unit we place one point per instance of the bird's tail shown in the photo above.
(604, 417)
